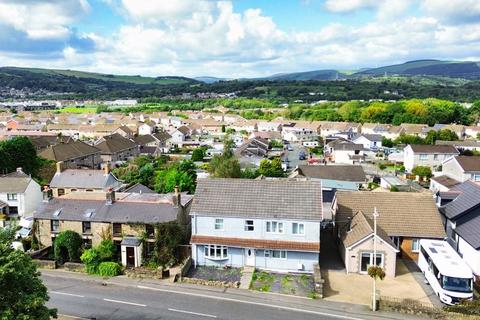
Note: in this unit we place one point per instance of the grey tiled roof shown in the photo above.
(469, 228)
(333, 172)
(468, 198)
(131, 241)
(371, 137)
(15, 182)
(118, 212)
(445, 181)
(439, 149)
(84, 179)
(280, 198)
(114, 143)
(139, 188)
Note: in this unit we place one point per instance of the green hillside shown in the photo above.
(308, 75)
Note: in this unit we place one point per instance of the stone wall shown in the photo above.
(318, 281)
(73, 266)
(45, 264)
(97, 229)
(212, 283)
(141, 272)
(43, 233)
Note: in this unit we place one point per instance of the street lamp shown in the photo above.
(374, 297)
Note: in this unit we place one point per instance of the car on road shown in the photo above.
(289, 148)
(301, 155)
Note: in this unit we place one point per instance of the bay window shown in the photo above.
(216, 252)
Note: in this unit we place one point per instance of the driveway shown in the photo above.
(418, 275)
(329, 256)
(357, 288)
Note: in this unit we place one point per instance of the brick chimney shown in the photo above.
(106, 168)
(176, 198)
(110, 196)
(59, 166)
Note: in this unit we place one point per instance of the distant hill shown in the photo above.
(452, 69)
(208, 79)
(308, 75)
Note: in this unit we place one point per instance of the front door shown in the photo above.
(250, 257)
(130, 257)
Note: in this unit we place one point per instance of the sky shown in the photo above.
(236, 38)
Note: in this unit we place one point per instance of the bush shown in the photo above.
(382, 166)
(106, 250)
(109, 269)
(91, 260)
(67, 246)
(422, 171)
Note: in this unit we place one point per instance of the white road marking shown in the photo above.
(126, 302)
(333, 315)
(194, 313)
(67, 294)
(71, 317)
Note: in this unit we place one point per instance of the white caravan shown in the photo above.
(448, 275)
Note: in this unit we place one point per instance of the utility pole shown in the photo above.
(374, 297)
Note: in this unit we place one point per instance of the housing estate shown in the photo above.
(426, 155)
(266, 224)
(73, 154)
(116, 148)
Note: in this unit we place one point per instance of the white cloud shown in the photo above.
(350, 5)
(453, 11)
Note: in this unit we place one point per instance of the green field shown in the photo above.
(78, 110)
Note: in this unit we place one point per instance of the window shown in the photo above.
(366, 261)
(423, 156)
(298, 228)
(276, 254)
(11, 196)
(415, 245)
(12, 210)
(476, 177)
(274, 227)
(117, 229)
(86, 227)
(150, 230)
(61, 192)
(54, 225)
(218, 224)
(215, 252)
(249, 225)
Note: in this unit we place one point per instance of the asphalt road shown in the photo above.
(92, 300)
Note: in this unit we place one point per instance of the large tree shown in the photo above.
(22, 295)
(225, 165)
(18, 152)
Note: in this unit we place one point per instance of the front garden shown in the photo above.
(292, 284)
(215, 274)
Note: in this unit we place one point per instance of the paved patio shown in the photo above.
(357, 288)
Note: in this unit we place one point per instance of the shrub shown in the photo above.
(91, 259)
(382, 166)
(109, 269)
(67, 246)
(422, 171)
(106, 250)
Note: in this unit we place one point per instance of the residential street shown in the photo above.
(82, 296)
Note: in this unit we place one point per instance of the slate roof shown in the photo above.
(68, 151)
(144, 139)
(370, 137)
(162, 136)
(15, 182)
(469, 163)
(469, 229)
(460, 144)
(333, 172)
(445, 181)
(115, 143)
(359, 228)
(139, 188)
(84, 179)
(184, 130)
(467, 199)
(405, 214)
(127, 210)
(279, 198)
(428, 148)
(257, 243)
(348, 146)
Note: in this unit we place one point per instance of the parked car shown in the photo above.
(301, 155)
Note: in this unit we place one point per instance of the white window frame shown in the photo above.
(370, 253)
(218, 226)
(300, 228)
(476, 176)
(417, 241)
(12, 196)
(248, 225)
(423, 156)
(274, 227)
(282, 254)
(216, 249)
(436, 157)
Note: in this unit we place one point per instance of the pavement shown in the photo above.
(80, 296)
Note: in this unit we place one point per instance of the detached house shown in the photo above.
(462, 168)
(345, 152)
(115, 148)
(266, 224)
(87, 180)
(19, 194)
(426, 155)
(369, 141)
(403, 219)
(73, 154)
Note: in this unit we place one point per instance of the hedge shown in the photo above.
(109, 269)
